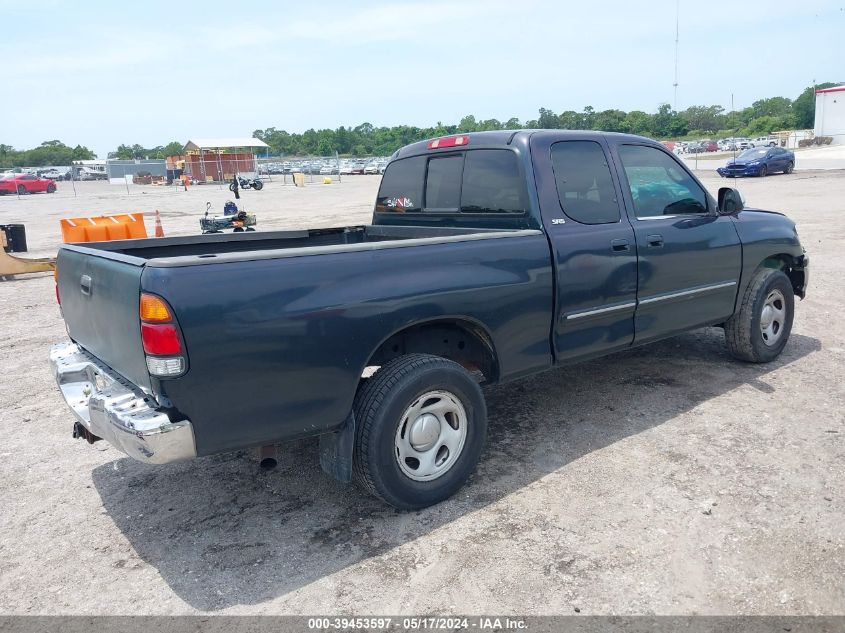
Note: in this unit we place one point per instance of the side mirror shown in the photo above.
(730, 201)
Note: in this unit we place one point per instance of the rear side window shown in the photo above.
(402, 186)
(584, 185)
(475, 181)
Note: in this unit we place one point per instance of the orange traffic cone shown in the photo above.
(159, 228)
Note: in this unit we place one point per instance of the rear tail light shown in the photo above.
(161, 337)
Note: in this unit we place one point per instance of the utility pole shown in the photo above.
(677, 31)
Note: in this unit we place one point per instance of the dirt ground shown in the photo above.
(665, 480)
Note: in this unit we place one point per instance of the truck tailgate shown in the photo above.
(99, 298)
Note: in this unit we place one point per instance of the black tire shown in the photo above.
(232, 187)
(764, 171)
(258, 185)
(379, 406)
(21, 190)
(51, 188)
(789, 167)
(743, 333)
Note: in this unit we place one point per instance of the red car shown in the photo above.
(26, 183)
(711, 146)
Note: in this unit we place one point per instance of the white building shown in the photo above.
(830, 114)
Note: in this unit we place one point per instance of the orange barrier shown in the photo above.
(123, 226)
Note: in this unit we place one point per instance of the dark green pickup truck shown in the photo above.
(490, 256)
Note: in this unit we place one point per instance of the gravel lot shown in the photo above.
(668, 479)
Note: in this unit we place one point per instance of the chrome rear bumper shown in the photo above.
(115, 410)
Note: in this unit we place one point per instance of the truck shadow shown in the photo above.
(221, 532)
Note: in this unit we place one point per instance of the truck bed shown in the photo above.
(214, 248)
(100, 282)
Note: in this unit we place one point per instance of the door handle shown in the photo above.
(655, 240)
(620, 246)
(85, 284)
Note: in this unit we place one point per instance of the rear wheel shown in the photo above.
(760, 329)
(789, 168)
(421, 425)
(258, 185)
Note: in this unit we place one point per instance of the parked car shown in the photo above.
(743, 143)
(26, 183)
(55, 174)
(371, 168)
(765, 141)
(710, 146)
(727, 145)
(695, 148)
(759, 161)
(486, 261)
(357, 168)
(346, 169)
(327, 170)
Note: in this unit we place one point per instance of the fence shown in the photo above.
(215, 167)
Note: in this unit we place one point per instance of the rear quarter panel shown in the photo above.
(276, 347)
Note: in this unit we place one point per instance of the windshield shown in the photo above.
(752, 154)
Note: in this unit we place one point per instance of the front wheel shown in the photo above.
(421, 425)
(232, 187)
(789, 168)
(764, 171)
(258, 185)
(51, 188)
(760, 328)
(21, 190)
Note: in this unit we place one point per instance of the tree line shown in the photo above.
(760, 118)
(48, 153)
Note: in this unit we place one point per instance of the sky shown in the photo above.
(101, 73)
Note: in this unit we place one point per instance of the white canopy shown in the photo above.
(196, 144)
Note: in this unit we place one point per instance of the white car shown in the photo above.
(765, 141)
(372, 168)
(327, 170)
(54, 174)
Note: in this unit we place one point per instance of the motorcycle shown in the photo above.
(246, 183)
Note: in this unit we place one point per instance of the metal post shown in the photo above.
(220, 166)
